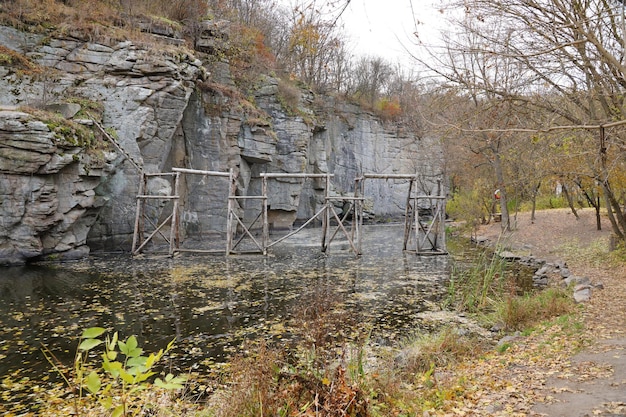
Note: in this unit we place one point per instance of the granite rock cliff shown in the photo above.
(166, 106)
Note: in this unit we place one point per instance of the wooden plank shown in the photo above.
(345, 198)
(231, 212)
(340, 225)
(160, 174)
(199, 250)
(201, 172)
(158, 197)
(246, 231)
(266, 228)
(297, 230)
(158, 230)
(391, 176)
(293, 175)
(243, 235)
(408, 223)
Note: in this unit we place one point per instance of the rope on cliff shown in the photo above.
(117, 145)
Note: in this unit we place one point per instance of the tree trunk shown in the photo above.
(497, 166)
(534, 200)
(570, 201)
(598, 218)
(593, 199)
(614, 211)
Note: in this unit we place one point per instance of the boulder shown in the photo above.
(582, 293)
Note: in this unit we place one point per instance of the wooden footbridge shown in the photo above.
(423, 234)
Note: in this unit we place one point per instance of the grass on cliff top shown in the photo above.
(97, 20)
(68, 133)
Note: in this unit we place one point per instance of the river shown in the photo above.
(211, 305)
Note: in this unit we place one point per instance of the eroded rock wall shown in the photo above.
(47, 191)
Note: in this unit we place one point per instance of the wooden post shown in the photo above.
(229, 218)
(266, 226)
(416, 217)
(357, 207)
(174, 235)
(361, 188)
(442, 216)
(138, 234)
(408, 216)
(326, 218)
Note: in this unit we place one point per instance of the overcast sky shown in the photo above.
(382, 27)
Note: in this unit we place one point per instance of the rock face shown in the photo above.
(47, 191)
(167, 108)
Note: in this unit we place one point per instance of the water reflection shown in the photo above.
(211, 305)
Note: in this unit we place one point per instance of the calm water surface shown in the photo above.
(211, 304)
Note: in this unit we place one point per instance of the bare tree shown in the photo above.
(315, 45)
(569, 61)
(477, 75)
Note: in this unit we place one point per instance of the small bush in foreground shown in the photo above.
(267, 384)
(113, 385)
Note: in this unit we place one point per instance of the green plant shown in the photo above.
(88, 108)
(595, 253)
(544, 202)
(479, 285)
(112, 132)
(472, 207)
(123, 372)
(501, 348)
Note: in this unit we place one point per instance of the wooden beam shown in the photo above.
(201, 172)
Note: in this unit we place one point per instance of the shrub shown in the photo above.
(389, 109)
(519, 312)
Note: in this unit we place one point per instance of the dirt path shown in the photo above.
(591, 382)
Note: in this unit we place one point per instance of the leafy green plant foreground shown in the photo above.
(113, 383)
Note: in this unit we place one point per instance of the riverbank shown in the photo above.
(571, 368)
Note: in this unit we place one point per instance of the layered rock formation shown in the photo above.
(168, 107)
(47, 190)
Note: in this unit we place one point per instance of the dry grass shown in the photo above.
(18, 62)
(438, 350)
(520, 312)
(98, 20)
